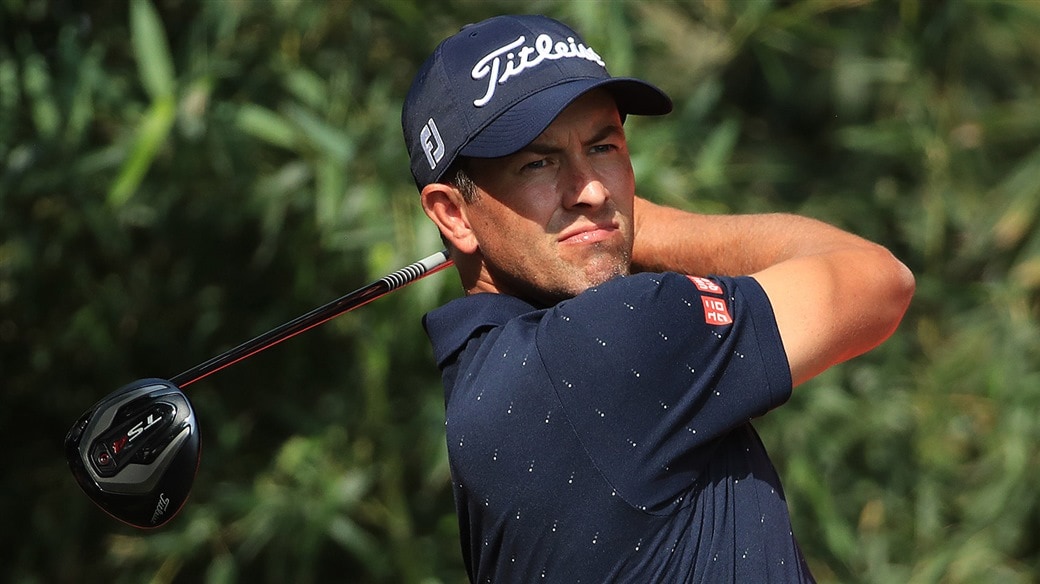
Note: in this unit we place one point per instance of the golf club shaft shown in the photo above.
(320, 315)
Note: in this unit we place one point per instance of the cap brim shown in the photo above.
(519, 125)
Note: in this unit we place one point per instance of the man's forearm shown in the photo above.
(669, 239)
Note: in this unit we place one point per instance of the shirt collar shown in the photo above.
(452, 325)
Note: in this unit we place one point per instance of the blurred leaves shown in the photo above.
(178, 177)
(154, 64)
(151, 134)
(155, 68)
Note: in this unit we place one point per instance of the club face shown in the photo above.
(135, 452)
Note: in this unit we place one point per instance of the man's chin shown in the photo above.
(606, 268)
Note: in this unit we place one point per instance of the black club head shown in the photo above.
(135, 453)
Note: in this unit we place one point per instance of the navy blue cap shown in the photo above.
(495, 86)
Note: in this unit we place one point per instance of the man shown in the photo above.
(601, 372)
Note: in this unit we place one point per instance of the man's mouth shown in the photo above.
(588, 234)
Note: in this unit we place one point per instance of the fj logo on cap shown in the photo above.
(517, 61)
(432, 143)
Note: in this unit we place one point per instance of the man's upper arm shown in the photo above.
(834, 306)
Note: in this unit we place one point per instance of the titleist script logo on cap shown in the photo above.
(544, 48)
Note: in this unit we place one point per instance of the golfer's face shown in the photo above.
(556, 217)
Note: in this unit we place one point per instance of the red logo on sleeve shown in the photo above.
(715, 311)
(705, 285)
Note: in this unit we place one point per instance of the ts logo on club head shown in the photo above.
(143, 425)
(432, 143)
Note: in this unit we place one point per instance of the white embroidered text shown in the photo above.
(526, 57)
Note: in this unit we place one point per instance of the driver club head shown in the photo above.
(135, 453)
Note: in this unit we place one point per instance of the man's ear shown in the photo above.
(445, 206)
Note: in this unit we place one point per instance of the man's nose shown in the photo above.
(585, 187)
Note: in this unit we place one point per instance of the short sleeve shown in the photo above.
(652, 369)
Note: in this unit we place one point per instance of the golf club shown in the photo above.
(135, 452)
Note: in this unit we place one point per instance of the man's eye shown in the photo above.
(536, 164)
(600, 148)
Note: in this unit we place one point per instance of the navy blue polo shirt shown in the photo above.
(608, 438)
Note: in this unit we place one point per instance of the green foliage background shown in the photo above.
(177, 177)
